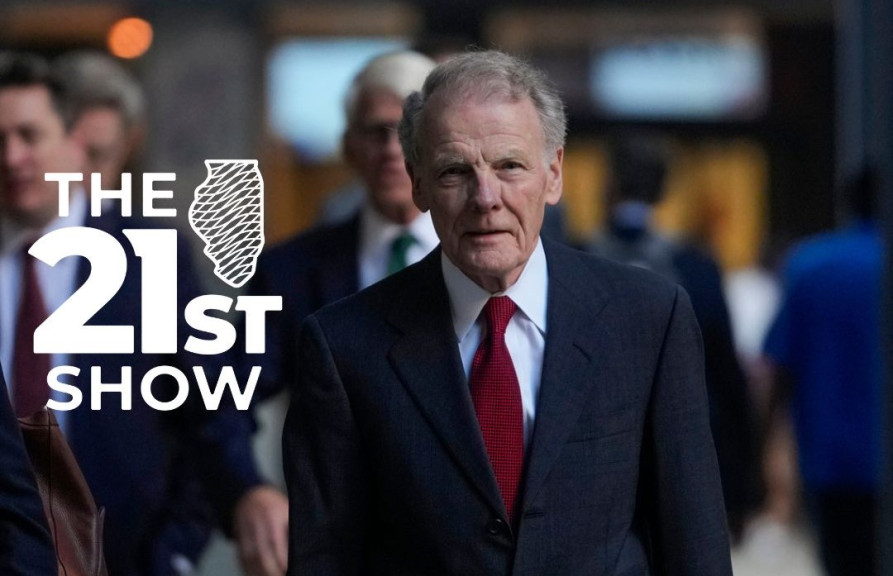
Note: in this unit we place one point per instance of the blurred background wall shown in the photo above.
(747, 89)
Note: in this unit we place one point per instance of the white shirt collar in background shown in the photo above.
(376, 236)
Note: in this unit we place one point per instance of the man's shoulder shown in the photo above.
(590, 275)
(827, 254)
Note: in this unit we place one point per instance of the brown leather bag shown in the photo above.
(75, 521)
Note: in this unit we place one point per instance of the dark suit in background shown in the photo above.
(25, 545)
(309, 271)
(143, 465)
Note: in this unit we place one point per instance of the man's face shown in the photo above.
(486, 178)
(373, 151)
(106, 142)
(33, 141)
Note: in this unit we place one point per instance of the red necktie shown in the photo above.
(497, 402)
(29, 370)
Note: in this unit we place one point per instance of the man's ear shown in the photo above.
(418, 197)
(135, 137)
(76, 149)
(554, 177)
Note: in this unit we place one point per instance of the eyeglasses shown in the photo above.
(380, 133)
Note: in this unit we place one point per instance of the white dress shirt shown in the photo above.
(376, 236)
(57, 282)
(525, 335)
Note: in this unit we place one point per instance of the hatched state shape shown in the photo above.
(228, 215)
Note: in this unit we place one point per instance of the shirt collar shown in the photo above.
(467, 299)
(12, 234)
(377, 232)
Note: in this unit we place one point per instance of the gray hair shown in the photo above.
(484, 74)
(400, 73)
(93, 79)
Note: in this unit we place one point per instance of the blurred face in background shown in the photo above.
(107, 143)
(33, 141)
(373, 150)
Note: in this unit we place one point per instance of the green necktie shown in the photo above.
(399, 248)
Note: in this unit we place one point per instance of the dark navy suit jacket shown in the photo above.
(25, 545)
(386, 468)
(309, 271)
(144, 466)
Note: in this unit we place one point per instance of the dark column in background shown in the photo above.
(879, 55)
(865, 131)
(204, 78)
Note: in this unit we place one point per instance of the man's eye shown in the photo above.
(30, 136)
(451, 171)
(512, 165)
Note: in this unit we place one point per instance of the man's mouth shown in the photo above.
(484, 233)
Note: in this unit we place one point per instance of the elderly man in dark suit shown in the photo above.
(507, 405)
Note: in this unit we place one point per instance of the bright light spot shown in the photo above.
(130, 37)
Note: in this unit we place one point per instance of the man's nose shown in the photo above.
(390, 143)
(14, 152)
(486, 194)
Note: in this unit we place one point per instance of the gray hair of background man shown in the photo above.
(94, 79)
(400, 73)
(485, 74)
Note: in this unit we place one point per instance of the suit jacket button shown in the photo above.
(497, 526)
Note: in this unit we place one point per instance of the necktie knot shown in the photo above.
(499, 311)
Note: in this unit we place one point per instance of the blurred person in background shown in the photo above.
(112, 120)
(639, 164)
(825, 357)
(141, 464)
(155, 523)
(111, 126)
(333, 261)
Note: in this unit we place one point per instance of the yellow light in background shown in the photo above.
(130, 37)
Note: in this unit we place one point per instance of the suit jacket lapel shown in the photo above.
(426, 359)
(570, 363)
